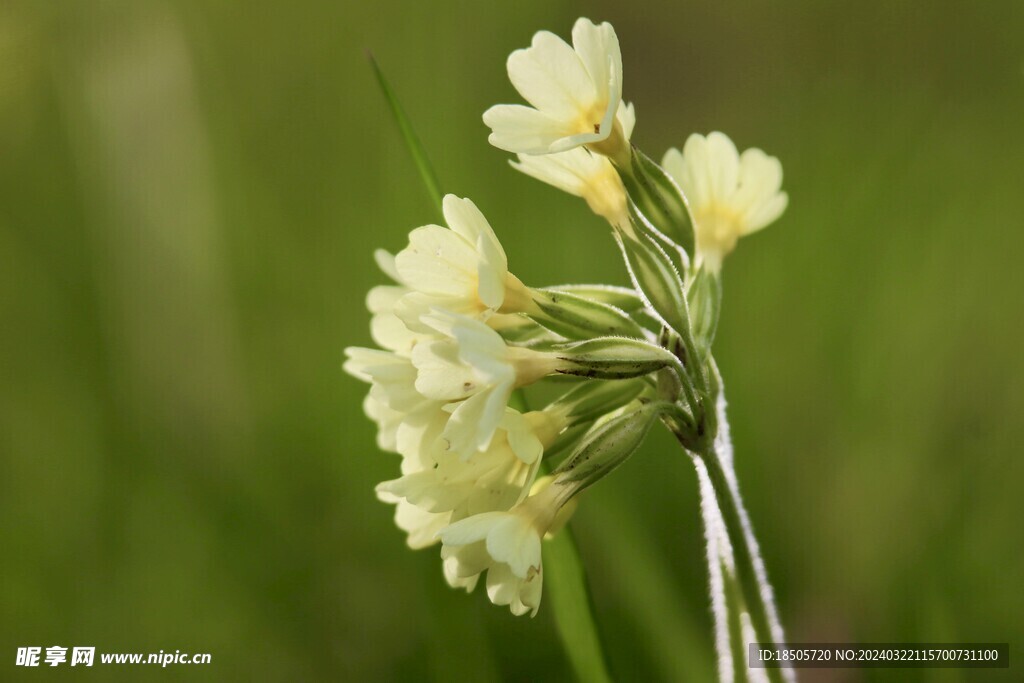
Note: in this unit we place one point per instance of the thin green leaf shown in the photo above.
(574, 615)
(412, 142)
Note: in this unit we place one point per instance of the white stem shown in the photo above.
(713, 534)
(723, 446)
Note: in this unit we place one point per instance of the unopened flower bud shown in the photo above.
(606, 448)
(612, 358)
(577, 317)
(590, 400)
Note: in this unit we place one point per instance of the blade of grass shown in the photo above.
(574, 616)
(566, 579)
(412, 142)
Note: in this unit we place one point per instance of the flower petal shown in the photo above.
(722, 166)
(598, 49)
(438, 261)
(502, 585)
(385, 260)
(466, 220)
(694, 177)
(514, 541)
(450, 566)
(521, 438)
(529, 595)
(471, 529)
(382, 298)
(517, 128)
(472, 424)
(422, 527)
(550, 76)
(565, 170)
(414, 306)
(627, 118)
(440, 375)
(767, 212)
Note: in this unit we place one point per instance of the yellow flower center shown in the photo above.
(717, 228)
(615, 146)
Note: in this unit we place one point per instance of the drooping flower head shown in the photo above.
(574, 93)
(730, 195)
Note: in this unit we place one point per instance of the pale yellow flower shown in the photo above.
(462, 269)
(507, 545)
(574, 93)
(730, 195)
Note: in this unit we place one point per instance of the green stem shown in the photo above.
(692, 362)
(687, 385)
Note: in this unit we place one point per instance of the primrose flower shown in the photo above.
(584, 174)
(507, 545)
(730, 195)
(574, 92)
(471, 364)
(463, 270)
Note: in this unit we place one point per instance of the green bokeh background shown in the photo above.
(190, 193)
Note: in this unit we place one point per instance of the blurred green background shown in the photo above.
(190, 193)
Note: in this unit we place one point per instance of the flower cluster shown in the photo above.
(460, 335)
